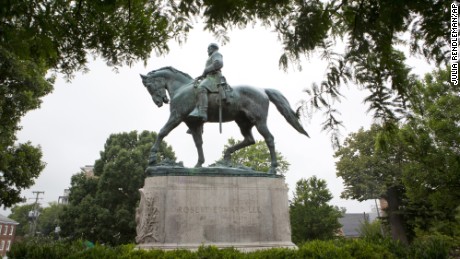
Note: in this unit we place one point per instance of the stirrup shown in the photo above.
(197, 113)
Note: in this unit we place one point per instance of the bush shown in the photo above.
(434, 246)
(368, 249)
(43, 248)
(431, 246)
(323, 249)
(96, 252)
(371, 231)
(272, 254)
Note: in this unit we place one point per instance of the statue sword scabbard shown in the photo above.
(220, 108)
(220, 86)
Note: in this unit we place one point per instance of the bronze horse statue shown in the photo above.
(247, 106)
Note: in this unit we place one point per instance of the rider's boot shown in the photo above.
(201, 109)
(204, 105)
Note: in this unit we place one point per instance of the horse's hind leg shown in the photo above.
(245, 128)
(270, 141)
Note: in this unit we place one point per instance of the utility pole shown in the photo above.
(378, 216)
(34, 213)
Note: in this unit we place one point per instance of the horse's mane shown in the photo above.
(171, 69)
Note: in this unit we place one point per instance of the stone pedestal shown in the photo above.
(186, 208)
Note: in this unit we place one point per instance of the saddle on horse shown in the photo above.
(222, 88)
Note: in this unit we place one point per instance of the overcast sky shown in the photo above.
(75, 120)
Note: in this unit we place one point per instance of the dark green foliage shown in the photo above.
(432, 140)
(49, 219)
(323, 250)
(38, 248)
(372, 231)
(21, 215)
(359, 249)
(432, 247)
(58, 35)
(102, 208)
(19, 166)
(121, 32)
(96, 252)
(271, 254)
(416, 163)
(369, 172)
(311, 215)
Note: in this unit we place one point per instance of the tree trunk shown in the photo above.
(398, 231)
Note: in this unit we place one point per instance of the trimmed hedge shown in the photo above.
(428, 247)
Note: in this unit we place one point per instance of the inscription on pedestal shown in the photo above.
(215, 209)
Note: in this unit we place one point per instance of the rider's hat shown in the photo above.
(214, 45)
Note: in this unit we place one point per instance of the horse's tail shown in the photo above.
(283, 106)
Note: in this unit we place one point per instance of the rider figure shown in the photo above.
(210, 79)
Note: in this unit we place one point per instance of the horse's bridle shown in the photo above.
(162, 89)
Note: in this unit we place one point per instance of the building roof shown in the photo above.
(6, 220)
(351, 222)
(88, 170)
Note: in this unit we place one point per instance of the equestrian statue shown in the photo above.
(209, 98)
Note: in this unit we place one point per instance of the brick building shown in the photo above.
(7, 234)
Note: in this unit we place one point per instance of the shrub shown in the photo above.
(371, 230)
(323, 249)
(39, 248)
(96, 252)
(367, 249)
(273, 253)
(432, 246)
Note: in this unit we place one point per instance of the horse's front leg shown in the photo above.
(197, 133)
(172, 123)
(153, 152)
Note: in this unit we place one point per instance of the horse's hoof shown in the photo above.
(272, 171)
(198, 165)
(152, 163)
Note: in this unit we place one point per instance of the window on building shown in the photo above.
(1, 229)
(6, 230)
(8, 244)
(2, 245)
(11, 230)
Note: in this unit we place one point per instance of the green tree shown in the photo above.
(102, 208)
(58, 35)
(432, 140)
(19, 166)
(257, 157)
(49, 219)
(20, 213)
(414, 165)
(370, 173)
(311, 215)
(77, 218)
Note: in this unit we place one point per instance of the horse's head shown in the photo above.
(157, 88)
